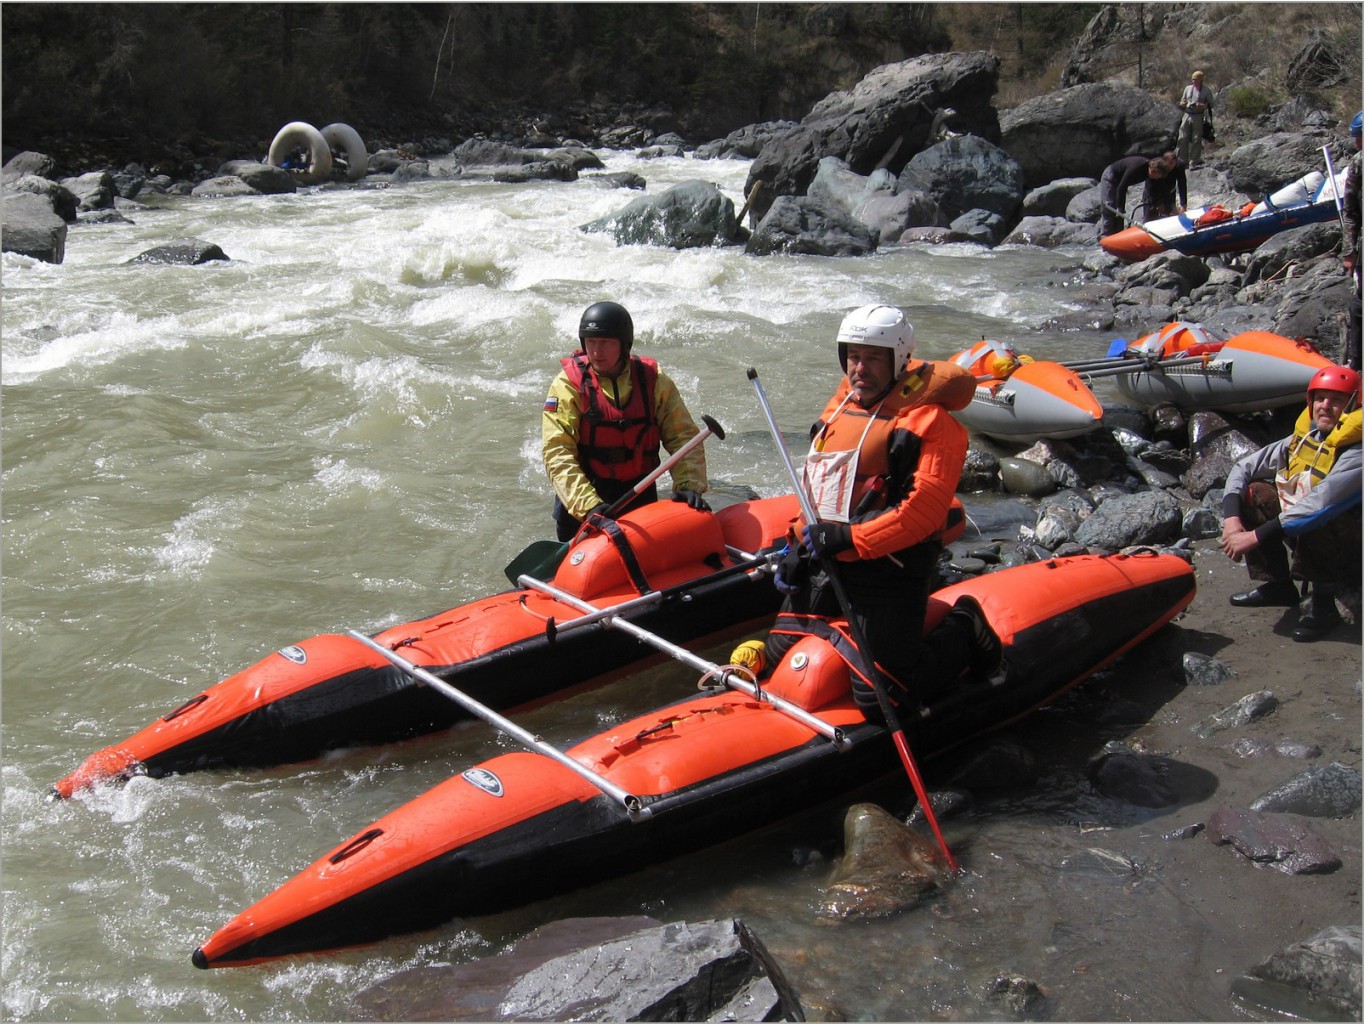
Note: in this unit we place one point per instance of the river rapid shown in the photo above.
(339, 429)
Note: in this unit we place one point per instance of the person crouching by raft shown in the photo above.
(604, 418)
(884, 461)
(1303, 492)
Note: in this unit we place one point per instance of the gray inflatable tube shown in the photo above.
(346, 140)
(298, 135)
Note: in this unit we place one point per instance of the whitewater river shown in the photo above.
(339, 428)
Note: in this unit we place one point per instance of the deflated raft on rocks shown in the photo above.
(524, 825)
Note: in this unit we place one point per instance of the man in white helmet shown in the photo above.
(882, 470)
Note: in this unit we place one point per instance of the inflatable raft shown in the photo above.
(1182, 364)
(1022, 400)
(1205, 230)
(298, 137)
(523, 825)
(686, 574)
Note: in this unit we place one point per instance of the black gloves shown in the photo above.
(597, 510)
(692, 498)
(828, 538)
(792, 570)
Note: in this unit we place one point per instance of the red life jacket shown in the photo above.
(613, 443)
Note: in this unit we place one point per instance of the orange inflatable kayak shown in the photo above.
(522, 826)
(680, 572)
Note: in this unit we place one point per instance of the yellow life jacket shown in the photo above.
(1311, 458)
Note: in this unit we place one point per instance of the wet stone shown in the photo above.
(887, 867)
(1317, 979)
(1322, 791)
(1273, 840)
(1202, 670)
(1247, 709)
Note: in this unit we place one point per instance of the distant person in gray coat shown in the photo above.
(1196, 103)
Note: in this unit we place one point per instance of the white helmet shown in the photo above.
(882, 326)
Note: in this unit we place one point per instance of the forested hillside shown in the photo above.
(110, 82)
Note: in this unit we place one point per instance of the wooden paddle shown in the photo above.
(541, 558)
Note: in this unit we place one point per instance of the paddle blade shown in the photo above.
(540, 560)
(1118, 347)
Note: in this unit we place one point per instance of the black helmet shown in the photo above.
(608, 320)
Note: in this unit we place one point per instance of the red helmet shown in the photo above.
(1335, 378)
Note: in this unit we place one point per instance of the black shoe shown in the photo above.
(1317, 623)
(987, 657)
(1276, 593)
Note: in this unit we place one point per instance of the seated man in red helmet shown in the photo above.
(1303, 492)
(884, 461)
(604, 418)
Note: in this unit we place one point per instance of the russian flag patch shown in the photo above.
(551, 404)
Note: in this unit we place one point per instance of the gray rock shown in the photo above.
(743, 143)
(1317, 979)
(1200, 524)
(967, 173)
(188, 251)
(30, 227)
(802, 226)
(266, 179)
(1201, 670)
(1322, 791)
(1269, 162)
(692, 214)
(1023, 476)
(1215, 446)
(1080, 130)
(1245, 710)
(598, 969)
(27, 162)
(894, 214)
(1147, 518)
(62, 201)
(884, 120)
(95, 189)
(227, 185)
(1048, 233)
(1054, 198)
(979, 473)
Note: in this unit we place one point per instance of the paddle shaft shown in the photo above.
(632, 804)
(892, 720)
(1340, 206)
(685, 656)
(1141, 367)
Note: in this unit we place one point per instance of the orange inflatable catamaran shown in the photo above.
(525, 825)
(686, 574)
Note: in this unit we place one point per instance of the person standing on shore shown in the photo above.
(1196, 103)
(604, 418)
(1303, 492)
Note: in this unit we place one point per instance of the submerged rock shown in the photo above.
(887, 867)
(1317, 979)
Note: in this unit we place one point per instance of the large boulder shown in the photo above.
(686, 216)
(1266, 164)
(64, 203)
(884, 120)
(598, 969)
(966, 173)
(28, 162)
(743, 143)
(264, 178)
(803, 226)
(1077, 132)
(30, 227)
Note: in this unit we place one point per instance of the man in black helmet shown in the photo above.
(605, 416)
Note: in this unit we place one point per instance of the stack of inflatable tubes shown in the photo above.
(298, 135)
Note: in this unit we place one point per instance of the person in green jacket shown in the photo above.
(606, 414)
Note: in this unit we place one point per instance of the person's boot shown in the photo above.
(1322, 615)
(987, 655)
(1275, 593)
